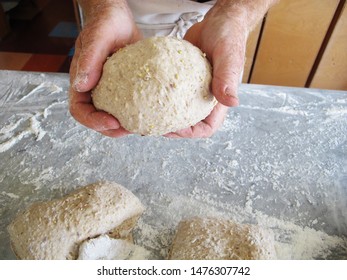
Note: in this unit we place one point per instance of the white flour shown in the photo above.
(106, 248)
(291, 241)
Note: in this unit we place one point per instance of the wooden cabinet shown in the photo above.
(302, 43)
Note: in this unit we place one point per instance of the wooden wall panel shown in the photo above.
(332, 69)
(250, 51)
(293, 33)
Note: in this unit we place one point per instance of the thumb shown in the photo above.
(94, 44)
(228, 62)
(91, 51)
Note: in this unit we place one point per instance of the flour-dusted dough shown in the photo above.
(218, 239)
(155, 86)
(55, 229)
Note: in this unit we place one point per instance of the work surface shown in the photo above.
(280, 161)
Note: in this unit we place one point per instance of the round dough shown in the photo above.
(155, 86)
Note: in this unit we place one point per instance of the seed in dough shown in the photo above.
(156, 86)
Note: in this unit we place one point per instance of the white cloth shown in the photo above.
(167, 17)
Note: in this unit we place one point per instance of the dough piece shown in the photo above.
(106, 248)
(155, 86)
(54, 229)
(217, 239)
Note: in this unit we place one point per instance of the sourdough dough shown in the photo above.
(217, 239)
(54, 229)
(155, 86)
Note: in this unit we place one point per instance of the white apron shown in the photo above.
(167, 17)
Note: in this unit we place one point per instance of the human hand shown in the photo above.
(224, 43)
(222, 35)
(206, 127)
(108, 28)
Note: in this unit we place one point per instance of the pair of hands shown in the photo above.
(220, 35)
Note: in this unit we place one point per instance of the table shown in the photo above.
(279, 161)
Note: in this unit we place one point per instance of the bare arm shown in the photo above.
(222, 35)
(109, 25)
(249, 11)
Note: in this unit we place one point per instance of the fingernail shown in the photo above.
(80, 80)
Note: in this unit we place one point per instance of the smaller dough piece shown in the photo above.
(218, 239)
(55, 229)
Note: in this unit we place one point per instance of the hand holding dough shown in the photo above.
(156, 86)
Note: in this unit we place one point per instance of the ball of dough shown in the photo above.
(155, 86)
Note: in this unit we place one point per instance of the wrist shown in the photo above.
(246, 12)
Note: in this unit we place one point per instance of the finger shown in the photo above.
(205, 128)
(200, 130)
(73, 66)
(228, 62)
(172, 135)
(115, 133)
(95, 43)
(217, 116)
(84, 112)
(92, 49)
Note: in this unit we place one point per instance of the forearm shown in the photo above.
(250, 12)
(95, 8)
